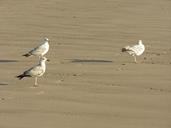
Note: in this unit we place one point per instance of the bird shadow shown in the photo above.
(90, 61)
(8, 61)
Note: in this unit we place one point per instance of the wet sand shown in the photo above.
(89, 83)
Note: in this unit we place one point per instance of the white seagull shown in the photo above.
(40, 50)
(35, 71)
(135, 50)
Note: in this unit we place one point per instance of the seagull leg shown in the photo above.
(35, 82)
(135, 59)
(39, 58)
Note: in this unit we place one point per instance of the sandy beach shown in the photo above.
(88, 83)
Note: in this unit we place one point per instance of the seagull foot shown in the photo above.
(34, 86)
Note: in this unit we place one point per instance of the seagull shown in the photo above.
(35, 71)
(135, 50)
(40, 50)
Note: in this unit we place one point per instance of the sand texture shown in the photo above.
(88, 83)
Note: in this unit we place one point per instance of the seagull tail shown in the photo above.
(27, 55)
(20, 76)
(124, 49)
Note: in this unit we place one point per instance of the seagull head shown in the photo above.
(46, 39)
(44, 59)
(140, 42)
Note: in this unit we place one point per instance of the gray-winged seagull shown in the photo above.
(40, 50)
(35, 71)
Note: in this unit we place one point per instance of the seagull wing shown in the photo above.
(38, 50)
(35, 71)
(137, 49)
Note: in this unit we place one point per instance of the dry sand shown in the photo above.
(88, 83)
